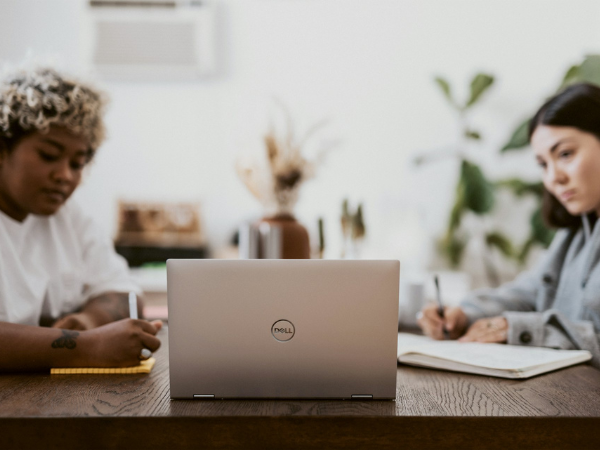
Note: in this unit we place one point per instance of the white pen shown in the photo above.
(133, 312)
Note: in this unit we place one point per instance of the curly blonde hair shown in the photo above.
(35, 99)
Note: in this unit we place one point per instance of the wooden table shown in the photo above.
(433, 409)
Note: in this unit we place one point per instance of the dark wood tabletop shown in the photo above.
(433, 409)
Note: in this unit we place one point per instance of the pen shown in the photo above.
(133, 312)
(440, 305)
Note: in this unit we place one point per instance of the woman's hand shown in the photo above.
(454, 321)
(76, 321)
(491, 329)
(119, 344)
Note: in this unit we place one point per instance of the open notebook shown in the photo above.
(496, 360)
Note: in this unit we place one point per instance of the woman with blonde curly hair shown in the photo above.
(63, 289)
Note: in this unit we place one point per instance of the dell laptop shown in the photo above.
(318, 329)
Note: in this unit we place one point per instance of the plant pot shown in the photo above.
(295, 243)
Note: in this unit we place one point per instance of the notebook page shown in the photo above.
(495, 356)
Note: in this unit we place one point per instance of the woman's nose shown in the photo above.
(555, 175)
(63, 173)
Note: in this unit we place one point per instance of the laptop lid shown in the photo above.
(283, 328)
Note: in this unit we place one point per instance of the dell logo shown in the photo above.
(283, 330)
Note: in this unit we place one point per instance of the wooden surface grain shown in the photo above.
(562, 407)
(572, 392)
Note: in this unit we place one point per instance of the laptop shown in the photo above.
(318, 329)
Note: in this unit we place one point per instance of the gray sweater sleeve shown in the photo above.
(552, 329)
(526, 326)
(521, 293)
(518, 295)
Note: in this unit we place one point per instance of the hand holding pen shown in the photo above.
(440, 310)
(439, 322)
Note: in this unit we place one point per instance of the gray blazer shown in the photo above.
(555, 305)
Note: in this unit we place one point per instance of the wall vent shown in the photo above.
(151, 40)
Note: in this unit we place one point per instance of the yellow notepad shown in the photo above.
(143, 367)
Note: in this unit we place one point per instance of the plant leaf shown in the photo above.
(445, 87)
(589, 70)
(455, 216)
(539, 232)
(519, 138)
(480, 83)
(501, 242)
(472, 134)
(522, 256)
(479, 192)
(453, 247)
(458, 208)
(521, 188)
(572, 76)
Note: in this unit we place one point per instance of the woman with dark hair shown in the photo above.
(56, 268)
(558, 303)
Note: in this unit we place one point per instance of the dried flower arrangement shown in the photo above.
(277, 185)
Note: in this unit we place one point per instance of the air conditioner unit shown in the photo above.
(151, 40)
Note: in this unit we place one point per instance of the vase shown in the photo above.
(294, 241)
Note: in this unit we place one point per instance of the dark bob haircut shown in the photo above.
(577, 106)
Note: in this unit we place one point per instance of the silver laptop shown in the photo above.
(283, 328)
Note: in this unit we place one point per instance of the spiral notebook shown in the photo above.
(496, 360)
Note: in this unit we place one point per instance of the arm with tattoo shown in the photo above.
(27, 347)
(117, 344)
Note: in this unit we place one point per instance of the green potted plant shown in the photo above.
(474, 192)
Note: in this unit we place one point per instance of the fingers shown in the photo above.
(150, 342)
(497, 336)
(456, 321)
(61, 323)
(475, 331)
(431, 323)
(488, 330)
(69, 323)
(158, 324)
(451, 316)
(148, 327)
(149, 331)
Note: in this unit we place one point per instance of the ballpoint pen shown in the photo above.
(133, 312)
(440, 305)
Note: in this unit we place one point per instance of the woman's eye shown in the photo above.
(541, 164)
(565, 154)
(49, 157)
(77, 165)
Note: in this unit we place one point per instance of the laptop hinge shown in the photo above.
(362, 396)
(204, 396)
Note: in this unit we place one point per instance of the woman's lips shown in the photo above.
(567, 195)
(55, 196)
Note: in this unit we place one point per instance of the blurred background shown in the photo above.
(196, 85)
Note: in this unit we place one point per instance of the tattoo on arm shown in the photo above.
(67, 340)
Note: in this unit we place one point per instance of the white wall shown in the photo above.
(366, 65)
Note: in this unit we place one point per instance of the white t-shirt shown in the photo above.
(50, 266)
